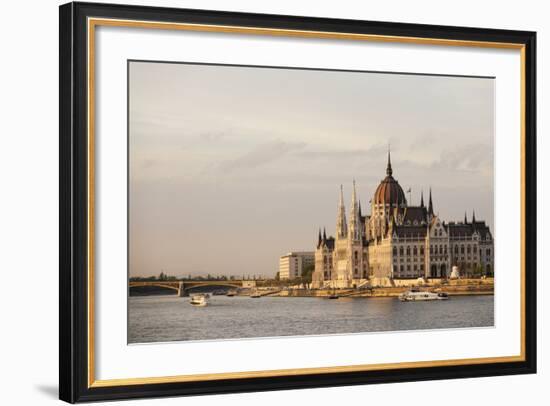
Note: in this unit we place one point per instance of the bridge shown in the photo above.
(181, 287)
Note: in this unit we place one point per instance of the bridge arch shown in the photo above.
(213, 284)
(158, 284)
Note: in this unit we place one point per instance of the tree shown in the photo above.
(307, 273)
(479, 270)
(277, 276)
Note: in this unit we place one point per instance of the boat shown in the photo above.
(333, 295)
(255, 294)
(231, 293)
(200, 299)
(414, 296)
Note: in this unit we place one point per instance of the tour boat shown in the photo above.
(231, 293)
(199, 299)
(413, 296)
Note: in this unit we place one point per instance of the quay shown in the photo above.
(460, 287)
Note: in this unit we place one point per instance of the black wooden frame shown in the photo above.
(73, 330)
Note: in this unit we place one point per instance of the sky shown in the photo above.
(232, 167)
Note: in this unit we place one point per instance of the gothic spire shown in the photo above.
(360, 213)
(422, 198)
(354, 228)
(430, 204)
(473, 216)
(341, 226)
(465, 218)
(319, 239)
(389, 171)
(324, 234)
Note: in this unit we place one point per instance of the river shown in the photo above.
(171, 318)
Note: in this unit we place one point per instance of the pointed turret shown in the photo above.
(473, 216)
(354, 221)
(430, 204)
(389, 171)
(341, 224)
(465, 218)
(324, 235)
(360, 213)
(319, 240)
(422, 198)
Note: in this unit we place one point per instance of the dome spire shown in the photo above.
(389, 171)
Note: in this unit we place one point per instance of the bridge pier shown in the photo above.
(181, 290)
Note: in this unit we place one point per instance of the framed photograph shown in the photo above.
(259, 202)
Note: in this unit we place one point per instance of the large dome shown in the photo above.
(389, 191)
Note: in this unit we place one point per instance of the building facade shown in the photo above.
(292, 264)
(398, 241)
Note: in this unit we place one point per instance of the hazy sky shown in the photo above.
(231, 167)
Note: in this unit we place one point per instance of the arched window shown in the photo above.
(488, 252)
(462, 249)
(468, 249)
(408, 250)
(415, 250)
(401, 251)
(394, 251)
(421, 250)
(456, 249)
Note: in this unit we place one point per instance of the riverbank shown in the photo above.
(462, 287)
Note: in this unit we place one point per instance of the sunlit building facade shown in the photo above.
(398, 241)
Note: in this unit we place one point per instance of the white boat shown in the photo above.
(413, 296)
(199, 299)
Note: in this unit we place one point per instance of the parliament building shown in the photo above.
(398, 241)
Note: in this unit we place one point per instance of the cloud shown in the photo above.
(261, 155)
(468, 158)
(148, 163)
(212, 136)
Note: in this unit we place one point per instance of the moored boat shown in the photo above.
(255, 294)
(414, 296)
(200, 299)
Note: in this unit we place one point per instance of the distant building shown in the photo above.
(292, 264)
(398, 241)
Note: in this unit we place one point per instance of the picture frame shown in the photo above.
(78, 381)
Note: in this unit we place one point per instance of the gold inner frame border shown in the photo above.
(94, 22)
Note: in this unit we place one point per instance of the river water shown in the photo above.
(171, 318)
